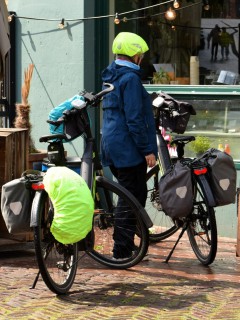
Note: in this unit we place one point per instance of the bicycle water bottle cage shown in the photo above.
(55, 153)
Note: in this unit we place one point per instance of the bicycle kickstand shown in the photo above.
(184, 228)
(35, 281)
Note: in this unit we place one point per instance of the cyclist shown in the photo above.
(128, 143)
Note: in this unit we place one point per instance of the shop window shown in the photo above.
(197, 47)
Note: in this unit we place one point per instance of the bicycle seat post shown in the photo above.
(180, 150)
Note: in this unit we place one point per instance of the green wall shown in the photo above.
(64, 60)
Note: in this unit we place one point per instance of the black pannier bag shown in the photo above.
(222, 174)
(16, 202)
(170, 122)
(176, 191)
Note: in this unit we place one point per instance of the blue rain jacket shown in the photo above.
(128, 130)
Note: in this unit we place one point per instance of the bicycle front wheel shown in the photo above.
(57, 262)
(202, 229)
(118, 227)
(163, 225)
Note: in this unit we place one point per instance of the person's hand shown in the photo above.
(151, 160)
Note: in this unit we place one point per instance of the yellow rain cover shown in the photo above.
(73, 204)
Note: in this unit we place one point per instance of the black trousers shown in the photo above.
(134, 180)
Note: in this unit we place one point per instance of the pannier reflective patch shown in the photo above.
(224, 184)
(16, 207)
(181, 192)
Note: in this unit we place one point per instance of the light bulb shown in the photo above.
(116, 20)
(170, 14)
(61, 24)
(206, 5)
(176, 4)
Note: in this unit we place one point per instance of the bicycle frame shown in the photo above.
(204, 202)
(90, 167)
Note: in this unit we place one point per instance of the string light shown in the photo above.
(149, 22)
(170, 14)
(61, 24)
(10, 17)
(98, 17)
(206, 5)
(116, 20)
(176, 4)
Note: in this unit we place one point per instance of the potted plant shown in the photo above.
(161, 77)
(200, 145)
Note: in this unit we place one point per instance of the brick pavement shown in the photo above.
(183, 289)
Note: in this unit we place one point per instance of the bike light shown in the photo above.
(200, 171)
(38, 186)
(158, 102)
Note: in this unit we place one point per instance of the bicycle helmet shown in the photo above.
(129, 44)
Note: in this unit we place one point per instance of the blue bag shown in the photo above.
(57, 112)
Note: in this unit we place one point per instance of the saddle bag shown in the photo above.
(73, 204)
(176, 191)
(16, 202)
(222, 175)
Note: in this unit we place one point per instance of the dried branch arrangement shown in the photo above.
(22, 119)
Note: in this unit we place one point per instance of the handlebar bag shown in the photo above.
(16, 202)
(175, 123)
(73, 204)
(176, 191)
(74, 129)
(222, 174)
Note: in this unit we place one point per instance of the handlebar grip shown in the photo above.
(104, 91)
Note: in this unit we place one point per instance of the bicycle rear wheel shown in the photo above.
(117, 214)
(163, 225)
(202, 229)
(57, 262)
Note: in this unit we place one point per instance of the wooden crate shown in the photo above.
(13, 153)
(13, 161)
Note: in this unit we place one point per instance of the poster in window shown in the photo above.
(219, 54)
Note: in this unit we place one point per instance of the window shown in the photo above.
(198, 47)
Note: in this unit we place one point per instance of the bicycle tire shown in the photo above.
(57, 262)
(108, 195)
(202, 229)
(163, 225)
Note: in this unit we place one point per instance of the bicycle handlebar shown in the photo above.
(164, 102)
(90, 100)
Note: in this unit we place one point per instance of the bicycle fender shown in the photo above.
(36, 199)
(146, 219)
(206, 189)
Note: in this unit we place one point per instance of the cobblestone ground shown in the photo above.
(183, 289)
